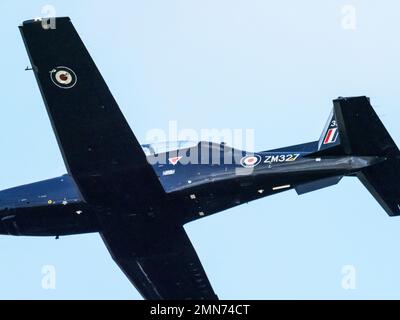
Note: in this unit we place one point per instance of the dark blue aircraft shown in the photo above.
(139, 197)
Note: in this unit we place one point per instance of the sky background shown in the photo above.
(272, 66)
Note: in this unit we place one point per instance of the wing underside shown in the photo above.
(161, 264)
(99, 148)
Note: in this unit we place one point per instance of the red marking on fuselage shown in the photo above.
(174, 161)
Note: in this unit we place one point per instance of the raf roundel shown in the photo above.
(63, 77)
(250, 161)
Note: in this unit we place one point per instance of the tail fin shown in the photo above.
(356, 130)
(363, 134)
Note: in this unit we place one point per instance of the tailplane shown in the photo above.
(354, 129)
(363, 134)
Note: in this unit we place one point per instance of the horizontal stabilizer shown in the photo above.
(383, 182)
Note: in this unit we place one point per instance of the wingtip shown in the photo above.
(40, 20)
(339, 99)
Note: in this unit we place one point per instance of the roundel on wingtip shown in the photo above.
(63, 77)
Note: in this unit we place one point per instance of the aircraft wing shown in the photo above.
(161, 264)
(97, 144)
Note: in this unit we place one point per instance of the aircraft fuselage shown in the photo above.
(55, 207)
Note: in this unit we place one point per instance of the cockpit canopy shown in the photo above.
(163, 147)
(168, 146)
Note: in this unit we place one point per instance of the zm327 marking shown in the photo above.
(280, 158)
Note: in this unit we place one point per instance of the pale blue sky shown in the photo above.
(267, 65)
